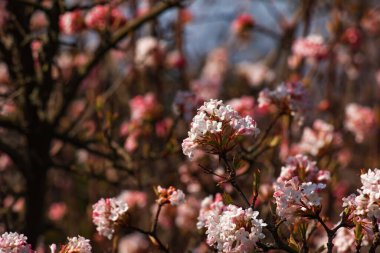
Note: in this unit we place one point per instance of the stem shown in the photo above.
(154, 236)
(155, 223)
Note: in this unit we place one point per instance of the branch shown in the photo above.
(16, 157)
(131, 26)
(9, 124)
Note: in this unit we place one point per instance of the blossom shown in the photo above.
(103, 16)
(209, 207)
(12, 242)
(290, 97)
(144, 107)
(133, 198)
(75, 245)
(312, 46)
(317, 139)
(216, 127)
(71, 22)
(294, 198)
(360, 120)
(107, 214)
(302, 167)
(366, 204)
(234, 230)
(170, 195)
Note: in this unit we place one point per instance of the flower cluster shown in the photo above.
(290, 97)
(300, 166)
(71, 22)
(312, 46)
(144, 107)
(294, 198)
(170, 195)
(230, 228)
(244, 106)
(298, 186)
(14, 243)
(103, 16)
(360, 120)
(149, 52)
(318, 139)
(366, 204)
(107, 214)
(75, 245)
(216, 127)
(344, 241)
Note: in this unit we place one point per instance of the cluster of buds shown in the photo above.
(75, 245)
(14, 242)
(290, 97)
(108, 215)
(170, 196)
(98, 18)
(216, 127)
(297, 188)
(360, 120)
(230, 228)
(316, 140)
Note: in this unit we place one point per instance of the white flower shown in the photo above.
(14, 243)
(234, 229)
(216, 123)
(107, 213)
(78, 245)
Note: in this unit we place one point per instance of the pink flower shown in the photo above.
(150, 52)
(102, 17)
(352, 37)
(57, 211)
(318, 139)
(255, 73)
(288, 97)
(312, 47)
(38, 20)
(360, 120)
(71, 22)
(144, 107)
(75, 245)
(210, 206)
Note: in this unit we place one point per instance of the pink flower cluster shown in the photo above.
(312, 47)
(230, 228)
(318, 139)
(107, 214)
(365, 206)
(75, 245)
(244, 106)
(14, 243)
(144, 107)
(290, 97)
(360, 120)
(149, 52)
(216, 127)
(297, 188)
(170, 195)
(99, 18)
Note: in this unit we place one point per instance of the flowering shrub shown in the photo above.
(154, 126)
